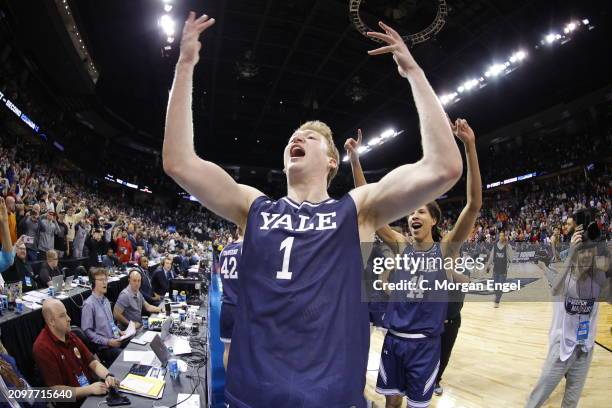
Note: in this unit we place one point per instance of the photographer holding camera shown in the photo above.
(585, 280)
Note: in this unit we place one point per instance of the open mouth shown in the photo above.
(416, 225)
(296, 151)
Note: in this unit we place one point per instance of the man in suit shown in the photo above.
(161, 277)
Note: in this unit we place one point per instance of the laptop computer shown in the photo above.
(146, 368)
(68, 283)
(160, 350)
(152, 375)
(58, 283)
(165, 329)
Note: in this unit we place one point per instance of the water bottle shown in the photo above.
(18, 306)
(173, 368)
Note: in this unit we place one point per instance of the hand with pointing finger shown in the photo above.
(352, 147)
(190, 44)
(396, 45)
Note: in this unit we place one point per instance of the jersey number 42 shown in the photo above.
(231, 273)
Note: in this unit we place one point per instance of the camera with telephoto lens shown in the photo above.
(590, 231)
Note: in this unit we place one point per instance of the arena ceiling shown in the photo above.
(268, 65)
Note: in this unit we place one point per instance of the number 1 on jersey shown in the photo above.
(286, 245)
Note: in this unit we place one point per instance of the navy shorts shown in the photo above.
(409, 367)
(227, 322)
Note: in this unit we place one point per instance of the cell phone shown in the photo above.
(28, 240)
(114, 399)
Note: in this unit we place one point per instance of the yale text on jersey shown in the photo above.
(299, 223)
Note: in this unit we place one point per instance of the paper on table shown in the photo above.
(62, 297)
(186, 401)
(179, 346)
(148, 336)
(41, 294)
(30, 298)
(136, 356)
(33, 305)
(129, 332)
(142, 385)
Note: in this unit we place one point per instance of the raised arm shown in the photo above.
(465, 223)
(409, 186)
(390, 237)
(208, 182)
(558, 284)
(5, 234)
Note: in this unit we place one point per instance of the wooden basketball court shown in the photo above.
(499, 353)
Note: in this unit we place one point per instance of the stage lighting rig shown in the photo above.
(355, 14)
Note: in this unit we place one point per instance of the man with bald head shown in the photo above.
(131, 303)
(64, 361)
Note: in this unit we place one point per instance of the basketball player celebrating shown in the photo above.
(229, 259)
(301, 333)
(415, 319)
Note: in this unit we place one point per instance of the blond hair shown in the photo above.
(324, 130)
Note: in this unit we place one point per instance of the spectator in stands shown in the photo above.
(12, 218)
(29, 227)
(154, 253)
(110, 260)
(555, 242)
(64, 361)
(47, 230)
(145, 288)
(21, 270)
(97, 319)
(161, 277)
(46, 203)
(8, 254)
(182, 262)
(97, 247)
(132, 237)
(108, 226)
(194, 258)
(49, 269)
(130, 304)
(61, 241)
(124, 247)
(71, 220)
(81, 232)
(138, 254)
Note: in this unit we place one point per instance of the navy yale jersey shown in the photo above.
(500, 259)
(301, 334)
(229, 260)
(421, 310)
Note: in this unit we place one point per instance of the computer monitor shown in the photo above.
(192, 287)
